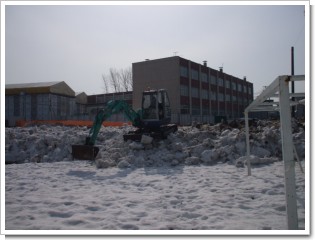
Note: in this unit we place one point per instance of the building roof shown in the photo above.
(39, 87)
(81, 97)
(30, 85)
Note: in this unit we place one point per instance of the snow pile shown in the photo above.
(206, 145)
(46, 143)
(242, 161)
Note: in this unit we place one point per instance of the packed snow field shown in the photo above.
(195, 179)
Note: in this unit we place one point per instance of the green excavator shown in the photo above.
(153, 120)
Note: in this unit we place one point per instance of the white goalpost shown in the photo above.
(279, 89)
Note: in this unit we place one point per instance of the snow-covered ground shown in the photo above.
(76, 195)
(195, 179)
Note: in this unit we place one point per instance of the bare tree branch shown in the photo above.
(115, 79)
(118, 81)
(126, 78)
(105, 81)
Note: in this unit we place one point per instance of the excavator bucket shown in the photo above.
(84, 152)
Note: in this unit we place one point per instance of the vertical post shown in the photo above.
(247, 144)
(287, 153)
(292, 82)
(22, 99)
(25, 105)
(189, 89)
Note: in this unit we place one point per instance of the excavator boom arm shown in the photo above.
(112, 107)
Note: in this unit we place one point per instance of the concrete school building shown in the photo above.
(196, 92)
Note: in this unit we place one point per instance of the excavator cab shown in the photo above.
(156, 109)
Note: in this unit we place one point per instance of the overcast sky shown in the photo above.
(77, 44)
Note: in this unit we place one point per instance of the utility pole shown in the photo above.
(292, 82)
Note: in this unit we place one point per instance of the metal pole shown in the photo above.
(287, 154)
(22, 99)
(25, 107)
(247, 144)
(292, 82)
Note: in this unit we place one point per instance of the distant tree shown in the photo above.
(118, 80)
(126, 78)
(105, 81)
(115, 79)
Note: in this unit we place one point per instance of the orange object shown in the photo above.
(72, 123)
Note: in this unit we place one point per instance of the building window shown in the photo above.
(213, 80)
(205, 111)
(227, 84)
(220, 82)
(204, 77)
(245, 89)
(228, 97)
(184, 91)
(221, 97)
(194, 74)
(204, 94)
(234, 98)
(239, 87)
(184, 109)
(195, 92)
(183, 71)
(233, 86)
(250, 90)
(213, 96)
(195, 110)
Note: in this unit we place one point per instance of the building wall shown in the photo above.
(156, 74)
(25, 104)
(81, 98)
(97, 102)
(197, 92)
(46, 106)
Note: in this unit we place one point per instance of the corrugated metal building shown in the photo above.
(81, 110)
(39, 101)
